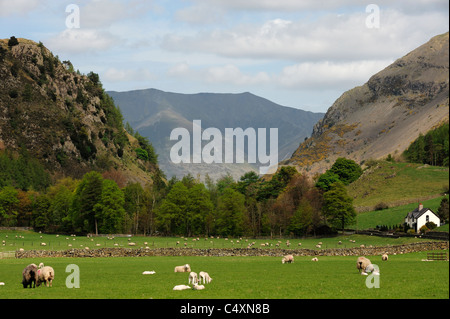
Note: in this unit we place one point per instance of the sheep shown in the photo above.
(29, 275)
(204, 277)
(181, 287)
(384, 257)
(184, 268)
(193, 278)
(287, 259)
(362, 263)
(198, 287)
(315, 259)
(45, 274)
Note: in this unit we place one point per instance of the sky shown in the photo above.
(301, 54)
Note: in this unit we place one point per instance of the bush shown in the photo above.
(423, 229)
(381, 206)
(142, 154)
(431, 225)
(12, 41)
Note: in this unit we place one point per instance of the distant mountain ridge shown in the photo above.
(386, 114)
(156, 113)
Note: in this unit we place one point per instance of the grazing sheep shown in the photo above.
(184, 268)
(362, 263)
(315, 259)
(29, 275)
(198, 287)
(287, 259)
(181, 287)
(193, 278)
(204, 277)
(385, 257)
(45, 274)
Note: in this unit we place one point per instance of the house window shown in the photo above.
(428, 218)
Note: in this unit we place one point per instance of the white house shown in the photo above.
(420, 216)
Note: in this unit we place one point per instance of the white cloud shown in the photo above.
(104, 13)
(321, 75)
(330, 37)
(233, 75)
(82, 40)
(296, 5)
(228, 74)
(22, 7)
(135, 75)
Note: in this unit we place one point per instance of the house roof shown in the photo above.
(416, 213)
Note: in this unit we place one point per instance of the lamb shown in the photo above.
(45, 274)
(287, 259)
(30, 276)
(385, 257)
(362, 263)
(198, 287)
(181, 287)
(204, 277)
(184, 268)
(193, 278)
(315, 259)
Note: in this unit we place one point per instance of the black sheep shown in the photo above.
(30, 276)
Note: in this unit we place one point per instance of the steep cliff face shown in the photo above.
(61, 117)
(386, 114)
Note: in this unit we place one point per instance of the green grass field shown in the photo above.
(402, 277)
(15, 240)
(390, 182)
(394, 215)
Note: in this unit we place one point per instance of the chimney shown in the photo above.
(420, 207)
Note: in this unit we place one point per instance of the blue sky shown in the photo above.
(302, 54)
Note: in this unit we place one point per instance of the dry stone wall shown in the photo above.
(226, 252)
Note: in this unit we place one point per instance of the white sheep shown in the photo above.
(204, 277)
(181, 287)
(45, 274)
(384, 257)
(193, 278)
(287, 259)
(315, 259)
(362, 263)
(184, 268)
(198, 287)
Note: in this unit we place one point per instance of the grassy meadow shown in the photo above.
(398, 184)
(394, 215)
(234, 278)
(27, 240)
(402, 277)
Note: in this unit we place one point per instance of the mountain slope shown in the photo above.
(156, 113)
(384, 115)
(60, 117)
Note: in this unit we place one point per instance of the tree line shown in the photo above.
(287, 204)
(431, 148)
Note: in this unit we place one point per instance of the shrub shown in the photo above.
(431, 225)
(12, 41)
(381, 206)
(142, 154)
(423, 229)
